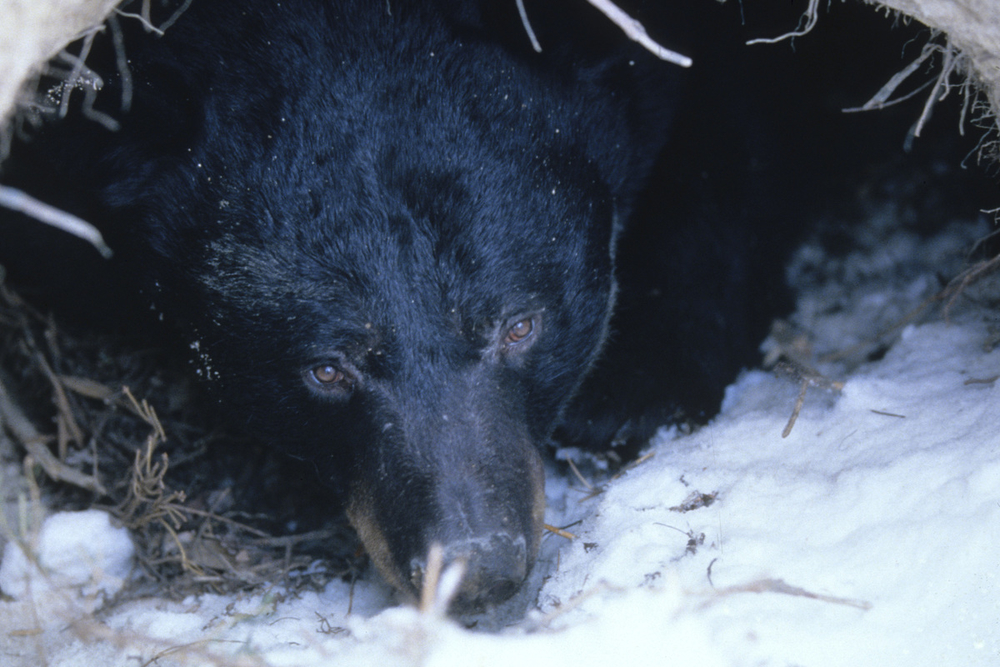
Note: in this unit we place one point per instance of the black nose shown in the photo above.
(494, 568)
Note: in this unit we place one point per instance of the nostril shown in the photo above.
(502, 590)
(417, 573)
(495, 569)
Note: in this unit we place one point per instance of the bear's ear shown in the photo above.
(607, 72)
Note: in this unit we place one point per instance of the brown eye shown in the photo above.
(521, 330)
(330, 380)
(327, 374)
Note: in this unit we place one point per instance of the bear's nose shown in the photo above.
(493, 569)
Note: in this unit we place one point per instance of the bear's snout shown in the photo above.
(459, 469)
(493, 569)
(489, 525)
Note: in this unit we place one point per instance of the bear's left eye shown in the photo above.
(520, 333)
(521, 330)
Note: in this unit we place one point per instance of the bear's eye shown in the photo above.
(327, 374)
(330, 379)
(519, 331)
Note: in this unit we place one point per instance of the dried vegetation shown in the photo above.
(207, 511)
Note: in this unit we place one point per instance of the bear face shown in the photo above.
(419, 343)
(387, 240)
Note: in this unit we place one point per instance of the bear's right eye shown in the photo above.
(329, 379)
(327, 374)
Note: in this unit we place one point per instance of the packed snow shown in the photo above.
(76, 553)
(868, 535)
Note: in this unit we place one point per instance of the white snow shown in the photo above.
(897, 515)
(77, 555)
(869, 536)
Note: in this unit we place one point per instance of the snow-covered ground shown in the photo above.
(870, 535)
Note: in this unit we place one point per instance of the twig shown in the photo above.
(639, 461)
(65, 413)
(121, 62)
(579, 475)
(19, 201)
(176, 15)
(89, 82)
(780, 586)
(989, 380)
(958, 284)
(440, 583)
(21, 428)
(147, 26)
(80, 76)
(811, 15)
(527, 26)
(637, 32)
(266, 540)
(799, 402)
(881, 99)
(574, 602)
(941, 87)
(559, 531)
(809, 378)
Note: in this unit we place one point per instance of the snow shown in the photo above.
(897, 513)
(867, 536)
(79, 553)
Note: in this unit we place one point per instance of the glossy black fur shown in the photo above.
(328, 191)
(387, 200)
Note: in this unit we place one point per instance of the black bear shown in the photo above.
(387, 233)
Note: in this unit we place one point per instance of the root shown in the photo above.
(810, 17)
(16, 200)
(637, 32)
(632, 28)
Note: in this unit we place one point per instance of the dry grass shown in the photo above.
(168, 474)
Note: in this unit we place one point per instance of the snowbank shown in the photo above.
(78, 554)
(867, 536)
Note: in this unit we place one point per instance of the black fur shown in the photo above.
(386, 232)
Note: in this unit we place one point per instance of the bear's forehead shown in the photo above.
(385, 277)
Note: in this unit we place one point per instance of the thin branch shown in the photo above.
(881, 98)
(17, 200)
(176, 15)
(527, 26)
(559, 531)
(941, 87)
(808, 377)
(75, 75)
(24, 431)
(149, 27)
(956, 286)
(87, 80)
(638, 33)
(782, 587)
(811, 14)
(121, 61)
